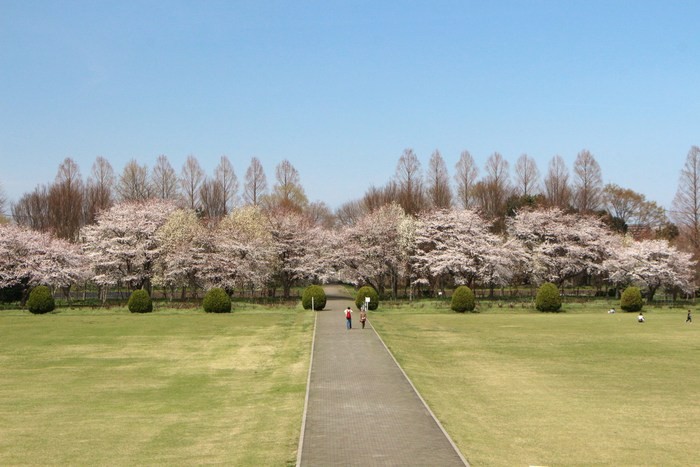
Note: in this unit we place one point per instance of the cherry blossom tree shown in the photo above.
(652, 264)
(560, 246)
(19, 263)
(300, 247)
(458, 245)
(180, 238)
(62, 265)
(122, 246)
(239, 252)
(29, 258)
(376, 249)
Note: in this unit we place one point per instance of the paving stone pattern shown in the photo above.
(361, 408)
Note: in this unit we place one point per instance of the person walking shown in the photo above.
(363, 316)
(348, 318)
(689, 319)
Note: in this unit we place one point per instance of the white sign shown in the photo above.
(367, 300)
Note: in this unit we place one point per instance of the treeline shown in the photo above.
(65, 207)
(155, 243)
(71, 201)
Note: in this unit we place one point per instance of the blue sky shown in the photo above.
(342, 88)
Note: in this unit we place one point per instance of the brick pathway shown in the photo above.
(361, 409)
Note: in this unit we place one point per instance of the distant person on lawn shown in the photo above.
(640, 317)
(689, 319)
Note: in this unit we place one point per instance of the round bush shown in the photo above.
(217, 301)
(40, 300)
(140, 302)
(463, 299)
(548, 298)
(631, 299)
(367, 291)
(317, 293)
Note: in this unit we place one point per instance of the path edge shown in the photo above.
(425, 404)
(306, 398)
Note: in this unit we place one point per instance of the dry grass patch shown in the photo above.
(556, 389)
(153, 389)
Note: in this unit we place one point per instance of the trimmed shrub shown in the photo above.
(217, 301)
(548, 298)
(40, 300)
(140, 302)
(631, 299)
(367, 291)
(317, 293)
(463, 299)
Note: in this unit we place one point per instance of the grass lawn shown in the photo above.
(99, 387)
(516, 387)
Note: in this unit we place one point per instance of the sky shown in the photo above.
(341, 89)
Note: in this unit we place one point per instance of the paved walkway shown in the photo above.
(361, 409)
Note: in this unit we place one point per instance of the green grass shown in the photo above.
(516, 387)
(95, 387)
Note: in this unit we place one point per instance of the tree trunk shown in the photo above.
(650, 294)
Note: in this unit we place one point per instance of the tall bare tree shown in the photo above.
(527, 176)
(496, 186)
(255, 185)
(321, 214)
(556, 183)
(439, 192)
(225, 176)
(349, 213)
(133, 182)
(644, 218)
(3, 201)
(376, 198)
(66, 201)
(164, 179)
(211, 199)
(191, 178)
(287, 193)
(99, 193)
(32, 209)
(466, 176)
(685, 209)
(409, 182)
(588, 183)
